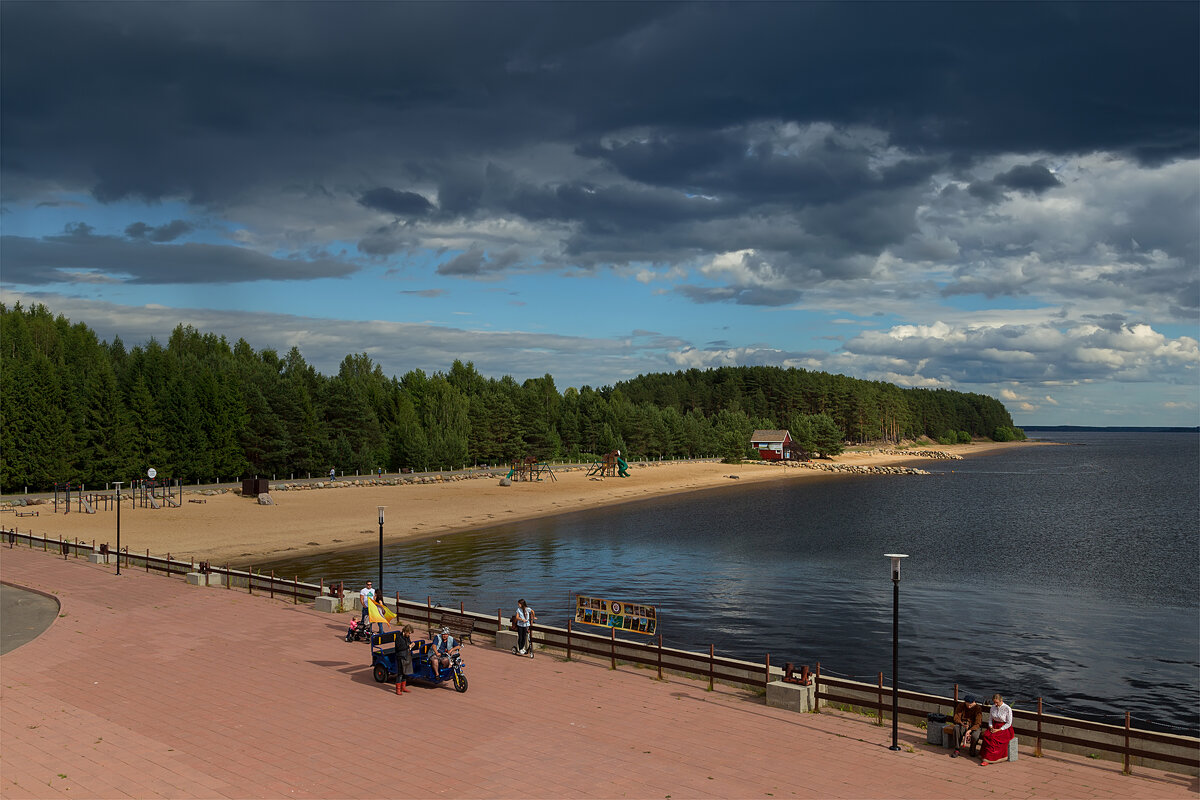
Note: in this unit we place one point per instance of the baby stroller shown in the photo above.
(358, 631)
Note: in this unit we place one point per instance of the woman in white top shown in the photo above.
(994, 744)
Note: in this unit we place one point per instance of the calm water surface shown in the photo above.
(1066, 572)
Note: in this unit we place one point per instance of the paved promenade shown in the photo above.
(145, 687)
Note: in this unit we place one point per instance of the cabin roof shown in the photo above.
(771, 436)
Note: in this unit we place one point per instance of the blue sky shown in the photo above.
(995, 198)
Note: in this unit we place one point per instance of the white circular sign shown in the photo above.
(150, 473)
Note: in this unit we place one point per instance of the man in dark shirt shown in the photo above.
(968, 725)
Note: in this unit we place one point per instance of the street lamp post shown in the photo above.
(381, 595)
(118, 484)
(895, 557)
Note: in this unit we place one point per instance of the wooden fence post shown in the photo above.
(660, 656)
(817, 691)
(711, 653)
(879, 701)
(569, 640)
(1037, 749)
(1128, 770)
(612, 647)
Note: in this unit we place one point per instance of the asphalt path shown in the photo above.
(24, 615)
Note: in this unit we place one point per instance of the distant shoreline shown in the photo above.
(1107, 429)
(225, 528)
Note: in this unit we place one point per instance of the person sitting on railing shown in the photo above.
(968, 724)
(996, 738)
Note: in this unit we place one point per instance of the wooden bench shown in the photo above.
(461, 626)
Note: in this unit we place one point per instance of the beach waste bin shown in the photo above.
(933, 728)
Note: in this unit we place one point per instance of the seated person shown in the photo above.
(996, 738)
(439, 650)
(968, 725)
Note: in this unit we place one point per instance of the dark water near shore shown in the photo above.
(1069, 572)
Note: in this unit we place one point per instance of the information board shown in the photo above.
(632, 617)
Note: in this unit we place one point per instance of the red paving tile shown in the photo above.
(147, 687)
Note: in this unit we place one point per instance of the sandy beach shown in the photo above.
(229, 529)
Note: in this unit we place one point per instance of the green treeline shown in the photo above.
(74, 408)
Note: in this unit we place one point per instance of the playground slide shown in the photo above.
(154, 502)
(87, 507)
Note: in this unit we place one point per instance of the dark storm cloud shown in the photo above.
(159, 233)
(478, 262)
(1032, 178)
(79, 255)
(592, 134)
(750, 296)
(431, 80)
(404, 204)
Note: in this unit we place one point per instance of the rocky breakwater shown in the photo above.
(859, 469)
(938, 455)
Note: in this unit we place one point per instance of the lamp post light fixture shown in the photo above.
(118, 485)
(381, 508)
(895, 557)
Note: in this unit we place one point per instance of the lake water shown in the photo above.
(1067, 572)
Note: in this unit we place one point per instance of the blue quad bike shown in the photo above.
(386, 668)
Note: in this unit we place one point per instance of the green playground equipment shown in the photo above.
(610, 465)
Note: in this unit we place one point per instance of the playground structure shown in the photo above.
(530, 469)
(85, 502)
(157, 493)
(611, 465)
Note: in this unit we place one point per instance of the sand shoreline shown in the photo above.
(233, 530)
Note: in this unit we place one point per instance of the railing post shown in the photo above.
(879, 701)
(711, 653)
(296, 590)
(612, 646)
(429, 615)
(147, 561)
(767, 679)
(250, 580)
(272, 585)
(660, 656)
(1128, 770)
(500, 624)
(1037, 748)
(228, 578)
(817, 691)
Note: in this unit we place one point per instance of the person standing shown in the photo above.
(332, 474)
(525, 619)
(368, 592)
(994, 743)
(968, 724)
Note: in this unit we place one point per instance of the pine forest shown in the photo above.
(80, 410)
